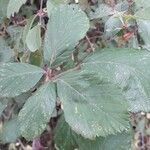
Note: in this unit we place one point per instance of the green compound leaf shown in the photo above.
(17, 78)
(37, 111)
(14, 6)
(67, 25)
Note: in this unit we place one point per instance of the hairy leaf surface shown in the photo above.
(16, 78)
(90, 100)
(128, 69)
(37, 111)
(67, 25)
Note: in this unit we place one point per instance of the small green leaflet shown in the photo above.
(112, 26)
(17, 78)
(36, 58)
(144, 31)
(89, 101)
(67, 25)
(104, 10)
(14, 6)
(27, 28)
(37, 111)
(33, 39)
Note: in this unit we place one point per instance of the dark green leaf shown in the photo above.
(64, 136)
(67, 139)
(36, 58)
(144, 31)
